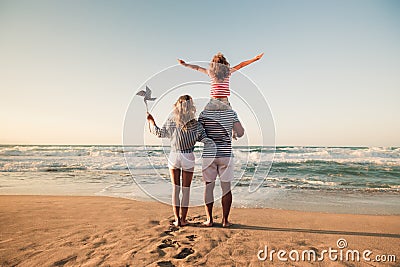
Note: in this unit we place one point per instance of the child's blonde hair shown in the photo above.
(219, 67)
(184, 112)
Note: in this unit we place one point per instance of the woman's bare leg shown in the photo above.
(186, 181)
(176, 189)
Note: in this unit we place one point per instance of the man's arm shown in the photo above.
(194, 67)
(247, 62)
(238, 129)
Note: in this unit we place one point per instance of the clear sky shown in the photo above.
(69, 69)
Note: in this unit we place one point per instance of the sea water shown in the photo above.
(362, 180)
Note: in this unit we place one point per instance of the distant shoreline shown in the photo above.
(155, 145)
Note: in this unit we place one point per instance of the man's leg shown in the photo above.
(226, 172)
(209, 202)
(210, 173)
(226, 203)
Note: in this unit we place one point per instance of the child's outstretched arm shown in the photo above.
(195, 67)
(247, 62)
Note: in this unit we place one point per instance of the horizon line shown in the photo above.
(122, 145)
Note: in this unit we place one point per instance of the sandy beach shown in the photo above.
(105, 231)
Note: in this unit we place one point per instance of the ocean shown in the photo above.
(359, 180)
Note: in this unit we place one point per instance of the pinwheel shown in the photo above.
(147, 96)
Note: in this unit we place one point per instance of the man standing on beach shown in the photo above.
(219, 121)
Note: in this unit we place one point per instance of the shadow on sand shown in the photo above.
(311, 231)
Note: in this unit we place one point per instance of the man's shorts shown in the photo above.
(184, 161)
(222, 167)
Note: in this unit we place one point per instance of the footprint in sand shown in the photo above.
(191, 237)
(166, 243)
(301, 243)
(197, 217)
(171, 230)
(97, 244)
(85, 240)
(184, 253)
(65, 260)
(165, 264)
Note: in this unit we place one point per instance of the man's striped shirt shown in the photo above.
(218, 125)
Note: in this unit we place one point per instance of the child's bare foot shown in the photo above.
(208, 223)
(184, 222)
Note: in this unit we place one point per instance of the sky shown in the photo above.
(330, 74)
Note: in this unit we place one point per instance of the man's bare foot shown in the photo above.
(226, 224)
(184, 222)
(176, 223)
(208, 223)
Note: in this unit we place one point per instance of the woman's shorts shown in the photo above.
(184, 161)
(222, 167)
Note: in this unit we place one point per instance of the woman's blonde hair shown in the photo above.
(219, 67)
(184, 112)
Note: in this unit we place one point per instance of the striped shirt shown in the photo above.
(218, 125)
(219, 88)
(182, 141)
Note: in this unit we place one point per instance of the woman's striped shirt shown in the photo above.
(218, 125)
(181, 140)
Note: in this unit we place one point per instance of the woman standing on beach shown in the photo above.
(184, 131)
